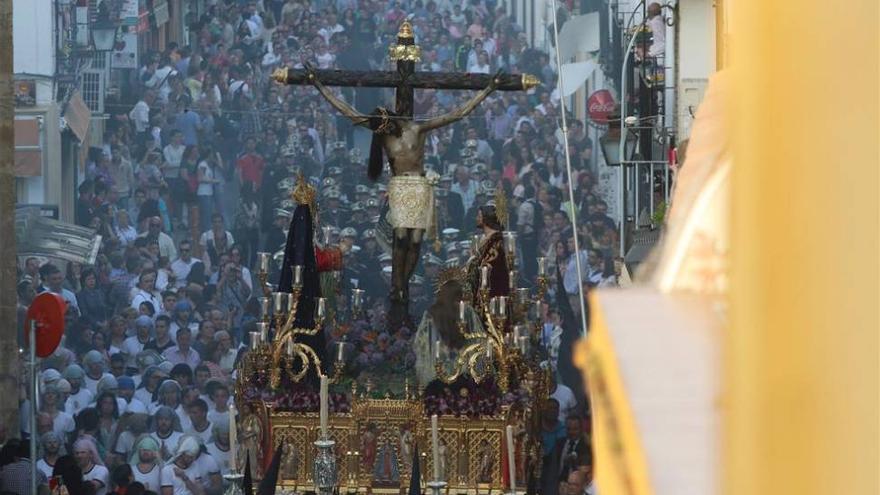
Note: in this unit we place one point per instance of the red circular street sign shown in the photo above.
(47, 311)
(600, 104)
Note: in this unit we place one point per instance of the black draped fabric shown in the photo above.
(268, 483)
(300, 250)
(570, 375)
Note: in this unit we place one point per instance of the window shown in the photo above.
(92, 89)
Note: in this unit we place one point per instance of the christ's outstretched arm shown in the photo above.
(460, 112)
(343, 107)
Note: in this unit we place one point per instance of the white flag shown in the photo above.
(574, 74)
(579, 34)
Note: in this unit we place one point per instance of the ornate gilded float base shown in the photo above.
(374, 448)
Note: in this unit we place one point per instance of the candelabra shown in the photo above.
(292, 357)
(510, 326)
(275, 354)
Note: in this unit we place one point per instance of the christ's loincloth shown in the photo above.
(411, 202)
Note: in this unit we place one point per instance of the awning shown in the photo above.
(28, 152)
(78, 116)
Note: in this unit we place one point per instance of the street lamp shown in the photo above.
(103, 35)
(611, 143)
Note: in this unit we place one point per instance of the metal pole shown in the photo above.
(33, 419)
(666, 186)
(637, 180)
(572, 212)
(621, 147)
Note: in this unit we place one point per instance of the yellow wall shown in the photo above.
(801, 366)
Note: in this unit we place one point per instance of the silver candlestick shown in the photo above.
(324, 470)
(234, 480)
(436, 487)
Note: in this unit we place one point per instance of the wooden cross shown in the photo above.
(405, 79)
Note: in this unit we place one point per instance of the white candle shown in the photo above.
(322, 307)
(290, 345)
(511, 459)
(297, 276)
(484, 277)
(462, 311)
(512, 280)
(264, 331)
(233, 438)
(488, 348)
(435, 447)
(542, 266)
(340, 349)
(357, 298)
(264, 307)
(280, 300)
(437, 350)
(324, 407)
(255, 340)
(264, 262)
(502, 305)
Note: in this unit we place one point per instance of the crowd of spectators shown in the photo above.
(193, 180)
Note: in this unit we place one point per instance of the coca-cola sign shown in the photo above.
(600, 105)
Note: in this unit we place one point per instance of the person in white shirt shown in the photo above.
(481, 65)
(212, 482)
(62, 422)
(126, 393)
(160, 78)
(148, 386)
(95, 366)
(219, 394)
(166, 425)
(79, 397)
(464, 186)
(146, 463)
(132, 346)
(140, 114)
(166, 243)
(226, 353)
(182, 265)
(657, 25)
(182, 318)
(51, 446)
(85, 452)
(182, 476)
(199, 424)
(173, 154)
(564, 396)
(330, 28)
(146, 291)
(219, 448)
(570, 277)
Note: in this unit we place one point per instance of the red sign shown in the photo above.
(600, 105)
(47, 310)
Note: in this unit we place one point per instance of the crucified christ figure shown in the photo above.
(410, 193)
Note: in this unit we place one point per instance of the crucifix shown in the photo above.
(402, 140)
